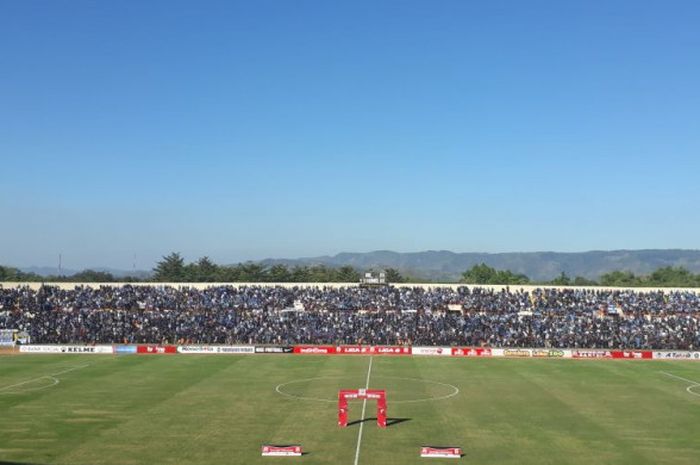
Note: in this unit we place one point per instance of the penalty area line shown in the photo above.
(689, 389)
(362, 421)
(52, 377)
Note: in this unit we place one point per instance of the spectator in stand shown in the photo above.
(556, 318)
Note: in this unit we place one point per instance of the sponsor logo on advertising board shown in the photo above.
(591, 354)
(517, 353)
(159, 350)
(62, 349)
(632, 354)
(124, 349)
(372, 350)
(396, 350)
(471, 352)
(676, 355)
(314, 349)
(281, 451)
(273, 350)
(196, 349)
(548, 353)
(351, 350)
(437, 351)
(235, 349)
(441, 452)
(41, 349)
(216, 349)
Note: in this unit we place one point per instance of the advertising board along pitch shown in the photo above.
(434, 452)
(269, 450)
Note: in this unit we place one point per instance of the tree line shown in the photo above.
(668, 276)
(11, 274)
(172, 268)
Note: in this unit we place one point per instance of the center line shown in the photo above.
(362, 421)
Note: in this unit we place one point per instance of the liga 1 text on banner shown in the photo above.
(281, 451)
(440, 452)
(373, 350)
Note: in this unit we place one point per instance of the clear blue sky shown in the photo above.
(245, 130)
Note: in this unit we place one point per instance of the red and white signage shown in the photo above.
(441, 452)
(471, 352)
(633, 354)
(371, 350)
(323, 350)
(591, 354)
(435, 351)
(281, 451)
(352, 350)
(374, 394)
(368, 350)
(390, 350)
(156, 350)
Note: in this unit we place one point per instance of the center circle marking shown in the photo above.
(455, 390)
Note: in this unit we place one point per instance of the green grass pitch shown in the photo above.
(92, 410)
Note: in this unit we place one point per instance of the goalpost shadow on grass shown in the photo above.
(389, 422)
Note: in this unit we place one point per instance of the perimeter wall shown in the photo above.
(526, 288)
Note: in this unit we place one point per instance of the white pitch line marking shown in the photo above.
(51, 376)
(362, 422)
(689, 389)
(455, 389)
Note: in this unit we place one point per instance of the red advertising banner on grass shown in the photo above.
(281, 451)
(441, 452)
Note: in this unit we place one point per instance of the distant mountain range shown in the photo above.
(443, 265)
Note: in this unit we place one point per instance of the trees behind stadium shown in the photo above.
(173, 268)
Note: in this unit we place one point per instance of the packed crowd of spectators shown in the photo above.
(556, 318)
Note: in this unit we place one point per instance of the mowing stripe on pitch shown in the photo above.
(362, 420)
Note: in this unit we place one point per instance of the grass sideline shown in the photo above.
(220, 409)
